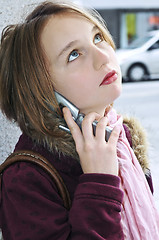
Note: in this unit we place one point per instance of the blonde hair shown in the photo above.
(26, 89)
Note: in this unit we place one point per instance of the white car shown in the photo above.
(140, 61)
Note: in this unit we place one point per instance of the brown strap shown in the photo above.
(29, 156)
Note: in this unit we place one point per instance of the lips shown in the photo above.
(109, 78)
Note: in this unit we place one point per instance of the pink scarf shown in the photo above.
(140, 219)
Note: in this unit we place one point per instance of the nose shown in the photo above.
(100, 57)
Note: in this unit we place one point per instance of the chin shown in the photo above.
(117, 90)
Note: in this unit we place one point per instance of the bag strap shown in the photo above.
(37, 159)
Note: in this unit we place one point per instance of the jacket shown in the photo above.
(31, 207)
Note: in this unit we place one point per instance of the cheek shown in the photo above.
(72, 87)
(80, 95)
(74, 84)
(78, 90)
(78, 81)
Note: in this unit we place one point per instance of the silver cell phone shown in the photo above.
(77, 116)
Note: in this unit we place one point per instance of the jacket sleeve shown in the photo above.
(32, 208)
(95, 213)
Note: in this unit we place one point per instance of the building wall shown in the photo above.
(122, 4)
(111, 18)
(128, 24)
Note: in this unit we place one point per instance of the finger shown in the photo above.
(75, 130)
(113, 139)
(101, 128)
(87, 128)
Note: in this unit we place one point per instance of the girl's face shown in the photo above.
(83, 66)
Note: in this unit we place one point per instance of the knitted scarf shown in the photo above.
(140, 219)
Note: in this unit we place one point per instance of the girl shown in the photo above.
(68, 49)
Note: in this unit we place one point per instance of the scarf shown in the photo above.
(139, 217)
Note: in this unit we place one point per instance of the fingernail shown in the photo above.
(64, 109)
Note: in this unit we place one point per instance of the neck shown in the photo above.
(101, 112)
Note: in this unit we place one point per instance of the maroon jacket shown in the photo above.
(31, 208)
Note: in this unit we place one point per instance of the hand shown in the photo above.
(96, 155)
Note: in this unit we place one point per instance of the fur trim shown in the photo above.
(63, 142)
(139, 142)
(55, 140)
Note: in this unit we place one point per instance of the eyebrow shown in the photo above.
(70, 44)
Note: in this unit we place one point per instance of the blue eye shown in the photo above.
(73, 55)
(98, 38)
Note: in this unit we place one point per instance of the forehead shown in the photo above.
(61, 24)
(63, 28)
(66, 21)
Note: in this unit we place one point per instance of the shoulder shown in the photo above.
(137, 138)
(27, 178)
(30, 190)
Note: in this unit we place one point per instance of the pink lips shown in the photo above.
(109, 78)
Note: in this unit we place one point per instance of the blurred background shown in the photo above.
(127, 20)
(134, 26)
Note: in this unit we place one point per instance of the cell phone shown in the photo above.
(77, 116)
